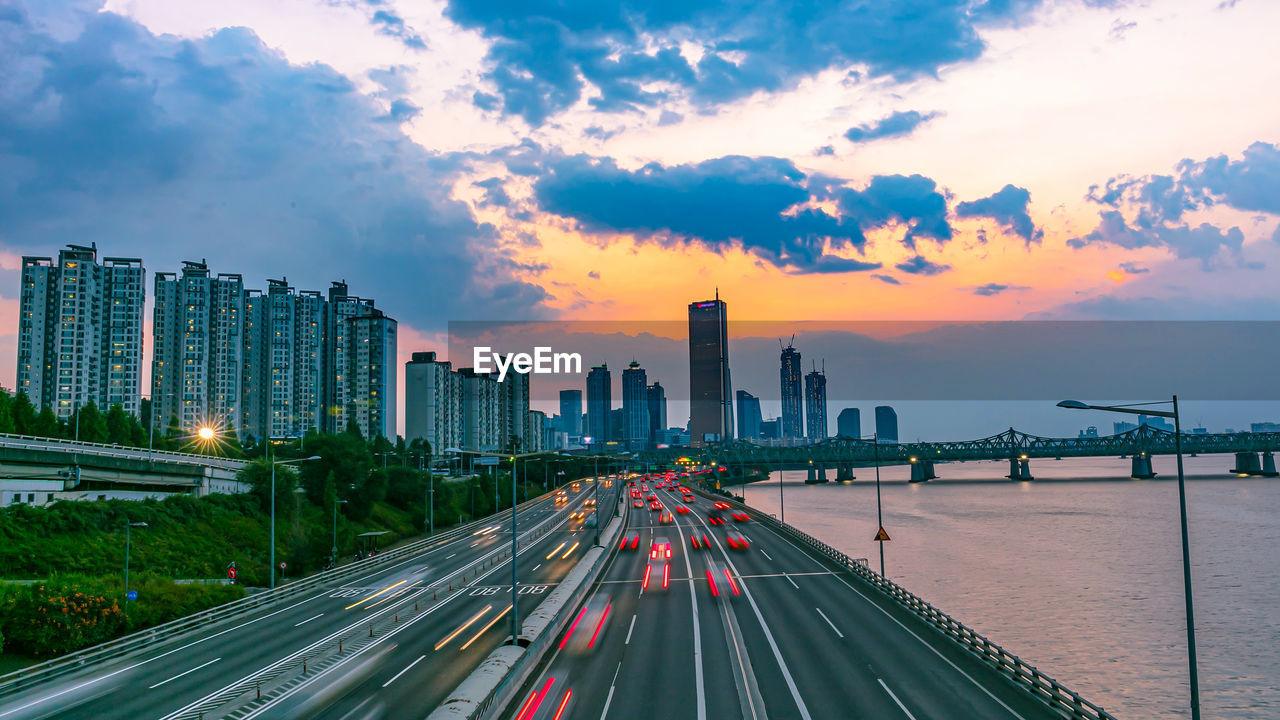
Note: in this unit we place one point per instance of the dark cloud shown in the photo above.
(911, 200)
(1133, 268)
(543, 56)
(593, 274)
(886, 279)
(920, 266)
(897, 124)
(1158, 205)
(1007, 207)
(171, 149)
(669, 118)
(392, 25)
(993, 289)
(825, 150)
(495, 193)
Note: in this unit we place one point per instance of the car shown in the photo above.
(591, 502)
(630, 543)
(700, 543)
(661, 549)
(651, 497)
(741, 517)
(682, 509)
(666, 518)
(737, 541)
(638, 503)
(721, 505)
(655, 505)
(717, 573)
(659, 555)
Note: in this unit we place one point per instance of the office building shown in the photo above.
(849, 423)
(789, 374)
(432, 402)
(80, 330)
(371, 374)
(571, 412)
(599, 403)
(769, 429)
(1264, 427)
(749, 418)
(657, 398)
(710, 400)
(886, 424)
(815, 400)
(197, 349)
(635, 407)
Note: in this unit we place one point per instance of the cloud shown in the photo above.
(993, 289)
(392, 25)
(625, 55)
(169, 149)
(920, 266)
(889, 279)
(825, 150)
(912, 200)
(593, 275)
(897, 124)
(1007, 207)
(1133, 268)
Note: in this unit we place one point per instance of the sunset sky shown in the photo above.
(484, 159)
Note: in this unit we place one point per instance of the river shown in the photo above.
(1079, 572)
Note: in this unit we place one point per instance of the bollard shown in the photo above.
(304, 666)
(339, 646)
(259, 684)
(396, 621)
(415, 606)
(370, 631)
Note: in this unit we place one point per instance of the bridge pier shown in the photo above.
(922, 470)
(1269, 465)
(1019, 469)
(1249, 463)
(817, 475)
(1141, 467)
(844, 472)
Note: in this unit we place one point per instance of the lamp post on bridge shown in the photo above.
(881, 535)
(1133, 409)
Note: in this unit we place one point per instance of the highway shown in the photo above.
(387, 644)
(781, 634)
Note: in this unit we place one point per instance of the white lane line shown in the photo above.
(895, 699)
(633, 627)
(304, 622)
(833, 625)
(612, 684)
(451, 556)
(762, 552)
(793, 582)
(405, 670)
(175, 677)
(535, 567)
(697, 637)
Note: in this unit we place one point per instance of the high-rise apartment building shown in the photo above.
(197, 349)
(886, 424)
(535, 427)
(635, 406)
(432, 402)
(599, 404)
(849, 423)
(513, 409)
(710, 400)
(789, 373)
(749, 418)
(657, 396)
(481, 425)
(80, 330)
(571, 412)
(340, 306)
(815, 399)
(371, 374)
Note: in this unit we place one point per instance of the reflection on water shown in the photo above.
(1080, 571)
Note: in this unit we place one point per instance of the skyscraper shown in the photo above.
(657, 396)
(432, 402)
(886, 424)
(789, 373)
(749, 418)
(849, 423)
(635, 406)
(80, 330)
(480, 423)
(599, 403)
(513, 410)
(815, 398)
(197, 349)
(371, 370)
(571, 412)
(710, 402)
(339, 306)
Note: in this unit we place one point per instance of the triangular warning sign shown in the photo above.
(881, 536)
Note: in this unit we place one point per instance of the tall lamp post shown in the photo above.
(1134, 409)
(336, 503)
(151, 422)
(272, 541)
(875, 438)
(127, 526)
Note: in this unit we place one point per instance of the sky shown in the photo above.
(494, 160)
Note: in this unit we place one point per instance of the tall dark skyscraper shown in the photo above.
(571, 412)
(657, 396)
(749, 418)
(635, 406)
(815, 398)
(710, 401)
(599, 403)
(790, 376)
(886, 424)
(849, 423)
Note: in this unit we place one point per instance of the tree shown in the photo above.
(24, 414)
(6, 420)
(46, 424)
(117, 422)
(92, 425)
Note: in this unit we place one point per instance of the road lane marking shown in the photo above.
(462, 627)
(793, 582)
(385, 589)
(762, 552)
(612, 684)
(304, 622)
(895, 699)
(175, 677)
(451, 556)
(405, 670)
(833, 625)
(482, 630)
(699, 678)
(633, 627)
(535, 567)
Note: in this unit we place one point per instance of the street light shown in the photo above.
(151, 421)
(875, 438)
(127, 526)
(334, 553)
(205, 433)
(1133, 409)
(272, 541)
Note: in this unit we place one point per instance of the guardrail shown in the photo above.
(1020, 673)
(175, 629)
(29, 442)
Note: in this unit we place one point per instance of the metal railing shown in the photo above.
(181, 627)
(79, 447)
(1020, 673)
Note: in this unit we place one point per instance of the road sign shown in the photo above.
(282, 566)
(882, 536)
(131, 595)
(231, 571)
(487, 460)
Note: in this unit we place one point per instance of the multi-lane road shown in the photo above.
(772, 630)
(390, 643)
